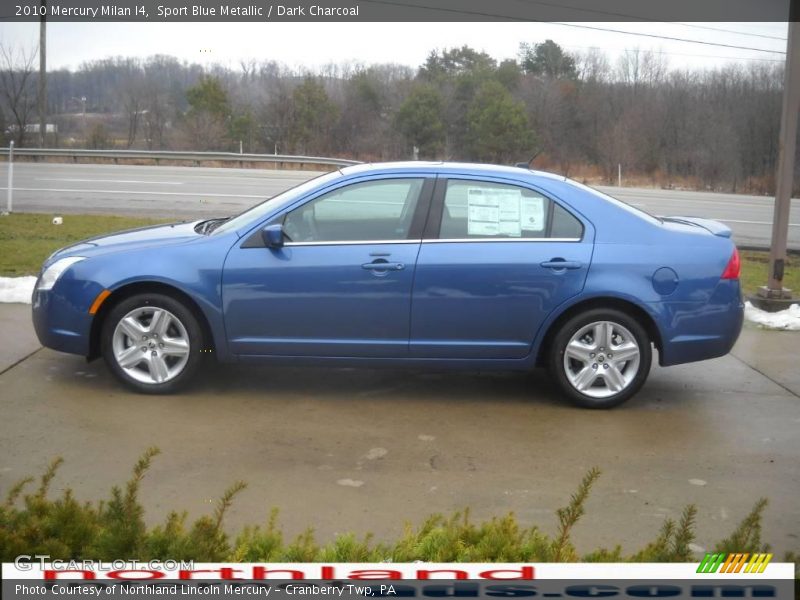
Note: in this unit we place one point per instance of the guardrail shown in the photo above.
(169, 155)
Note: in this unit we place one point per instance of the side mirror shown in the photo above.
(273, 235)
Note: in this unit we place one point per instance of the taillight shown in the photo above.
(734, 266)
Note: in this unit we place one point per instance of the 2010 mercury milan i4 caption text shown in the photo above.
(405, 264)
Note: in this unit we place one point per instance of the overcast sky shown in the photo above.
(311, 45)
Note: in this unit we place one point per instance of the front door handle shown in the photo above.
(383, 266)
(559, 264)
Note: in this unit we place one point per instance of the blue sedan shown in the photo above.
(405, 265)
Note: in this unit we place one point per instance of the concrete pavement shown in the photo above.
(367, 450)
(774, 354)
(17, 334)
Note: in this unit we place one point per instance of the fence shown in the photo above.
(279, 160)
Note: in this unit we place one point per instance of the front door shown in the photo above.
(341, 284)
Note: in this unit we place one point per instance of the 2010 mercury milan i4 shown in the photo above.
(406, 265)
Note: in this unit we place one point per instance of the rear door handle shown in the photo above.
(561, 264)
(383, 266)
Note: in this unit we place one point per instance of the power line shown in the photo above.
(449, 10)
(667, 37)
(597, 11)
(760, 35)
(575, 25)
(775, 60)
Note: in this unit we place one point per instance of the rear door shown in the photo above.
(495, 260)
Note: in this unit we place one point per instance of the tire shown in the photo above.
(152, 358)
(586, 371)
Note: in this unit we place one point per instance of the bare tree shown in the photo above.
(17, 89)
(592, 66)
(629, 67)
(133, 99)
(155, 116)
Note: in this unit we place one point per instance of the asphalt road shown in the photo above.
(367, 450)
(189, 192)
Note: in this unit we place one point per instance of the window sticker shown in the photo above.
(494, 211)
(509, 213)
(532, 214)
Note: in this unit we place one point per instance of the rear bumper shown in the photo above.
(708, 331)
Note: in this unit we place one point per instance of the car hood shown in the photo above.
(157, 235)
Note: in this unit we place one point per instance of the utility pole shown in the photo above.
(10, 192)
(774, 296)
(43, 74)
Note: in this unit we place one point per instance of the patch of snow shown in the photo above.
(426, 438)
(376, 453)
(350, 482)
(17, 289)
(698, 481)
(787, 320)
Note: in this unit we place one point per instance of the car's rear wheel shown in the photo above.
(600, 358)
(152, 343)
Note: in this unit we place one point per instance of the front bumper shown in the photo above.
(61, 316)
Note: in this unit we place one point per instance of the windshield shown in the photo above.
(254, 214)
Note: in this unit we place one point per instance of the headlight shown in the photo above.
(54, 271)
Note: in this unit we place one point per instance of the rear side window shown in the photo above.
(483, 210)
(564, 225)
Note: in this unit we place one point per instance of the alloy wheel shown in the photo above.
(601, 359)
(151, 345)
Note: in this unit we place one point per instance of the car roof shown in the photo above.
(476, 169)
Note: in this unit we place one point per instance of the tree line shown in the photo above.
(580, 114)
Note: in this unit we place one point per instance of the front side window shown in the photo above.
(371, 211)
(484, 210)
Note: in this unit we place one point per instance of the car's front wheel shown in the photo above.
(152, 343)
(600, 358)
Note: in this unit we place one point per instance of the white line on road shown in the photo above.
(19, 189)
(678, 202)
(724, 220)
(109, 181)
(750, 222)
